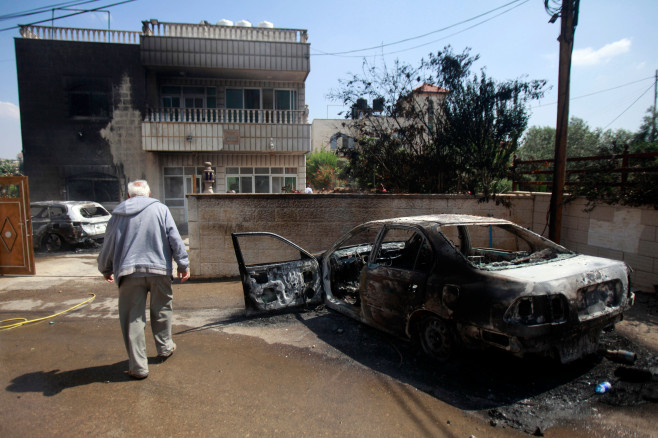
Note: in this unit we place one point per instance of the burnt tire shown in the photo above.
(436, 338)
(53, 242)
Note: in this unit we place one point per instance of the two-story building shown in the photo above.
(100, 108)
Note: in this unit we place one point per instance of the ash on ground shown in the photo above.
(530, 394)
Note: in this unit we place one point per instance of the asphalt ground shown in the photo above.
(308, 373)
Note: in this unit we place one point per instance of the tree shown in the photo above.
(323, 169)
(648, 132)
(599, 180)
(455, 135)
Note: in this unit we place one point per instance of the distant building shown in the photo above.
(332, 134)
(100, 108)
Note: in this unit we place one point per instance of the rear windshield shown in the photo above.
(91, 210)
(495, 246)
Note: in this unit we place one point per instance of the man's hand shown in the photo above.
(109, 278)
(184, 276)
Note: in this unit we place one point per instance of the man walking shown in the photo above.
(140, 240)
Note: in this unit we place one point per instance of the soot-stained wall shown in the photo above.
(81, 106)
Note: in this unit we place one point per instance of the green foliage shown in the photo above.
(324, 170)
(539, 142)
(10, 168)
(600, 181)
(455, 141)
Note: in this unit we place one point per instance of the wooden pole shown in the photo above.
(568, 20)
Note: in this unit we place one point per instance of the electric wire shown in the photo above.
(456, 33)
(23, 321)
(596, 92)
(379, 47)
(69, 15)
(629, 106)
(44, 9)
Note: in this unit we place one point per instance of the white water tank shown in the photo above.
(243, 23)
(224, 22)
(266, 24)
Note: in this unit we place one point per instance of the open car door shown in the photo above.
(275, 273)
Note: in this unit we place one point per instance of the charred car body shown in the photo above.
(448, 281)
(59, 224)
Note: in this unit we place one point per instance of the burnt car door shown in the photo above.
(275, 273)
(396, 277)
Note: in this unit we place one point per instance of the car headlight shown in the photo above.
(536, 310)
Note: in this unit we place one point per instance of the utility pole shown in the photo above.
(655, 98)
(568, 14)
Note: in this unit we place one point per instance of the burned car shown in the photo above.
(57, 225)
(447, 281)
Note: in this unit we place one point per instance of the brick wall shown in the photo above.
(315, 221)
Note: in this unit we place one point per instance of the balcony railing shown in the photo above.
(207, 30)
(155, 28)
(83, 35)
(224, 115)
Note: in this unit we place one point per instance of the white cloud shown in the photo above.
(9, 111)
(589, 56)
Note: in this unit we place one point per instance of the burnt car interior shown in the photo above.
(400, 248)
(493, 247)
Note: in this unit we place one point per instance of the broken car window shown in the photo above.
(496, 246)
(404, 248)
(266, 249)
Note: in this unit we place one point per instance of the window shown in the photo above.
(266, 98)
(340, 140)
(93, 187)
(261, 179)
(404, 248)
(178, 182)
(188, 97)
(89, 99)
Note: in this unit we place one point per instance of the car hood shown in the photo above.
(566, 275)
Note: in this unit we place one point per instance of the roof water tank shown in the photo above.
(243, 23)
(266, 24)
(224, 22)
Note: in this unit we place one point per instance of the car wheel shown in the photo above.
(436, 338)
(53, 242)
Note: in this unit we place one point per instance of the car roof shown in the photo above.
(71, 203)
(443, 219)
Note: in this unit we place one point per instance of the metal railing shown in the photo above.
(226, 115)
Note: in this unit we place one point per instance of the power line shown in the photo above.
(322, 53)
(458, 32)
(629, 106)
(597, 92)
(70, 15)
(44, 9)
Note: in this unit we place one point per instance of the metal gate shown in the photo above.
(16, 251)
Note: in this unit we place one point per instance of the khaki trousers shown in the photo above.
(132, 317)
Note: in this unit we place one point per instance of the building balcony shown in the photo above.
(228, 130)
(226, 115)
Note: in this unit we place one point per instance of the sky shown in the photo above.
(615, 53)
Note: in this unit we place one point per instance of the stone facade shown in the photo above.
(315, 221)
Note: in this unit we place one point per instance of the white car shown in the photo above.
(57, 225)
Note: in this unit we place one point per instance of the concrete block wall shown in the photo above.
(315, 221)
(615, 232)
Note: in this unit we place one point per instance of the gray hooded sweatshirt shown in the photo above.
(141, 237)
